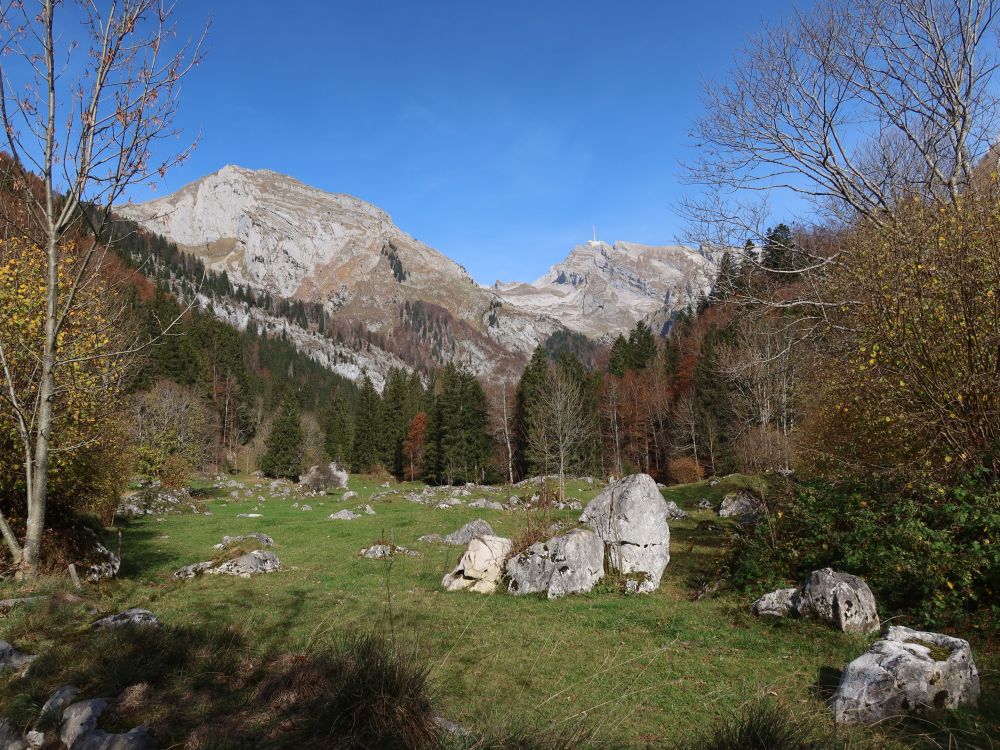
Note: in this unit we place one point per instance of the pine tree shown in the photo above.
(283, 457)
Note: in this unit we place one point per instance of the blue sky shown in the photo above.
(497, 133)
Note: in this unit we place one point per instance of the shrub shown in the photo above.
(685, 470)
(927, 550)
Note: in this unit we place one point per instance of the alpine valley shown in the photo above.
(388, 300)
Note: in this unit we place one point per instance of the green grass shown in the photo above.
(637, 671)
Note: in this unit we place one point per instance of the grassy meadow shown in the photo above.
(635, 671)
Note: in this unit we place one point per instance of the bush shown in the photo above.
(685, 470)
(926, 550)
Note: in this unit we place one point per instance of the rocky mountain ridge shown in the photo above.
(275, 235)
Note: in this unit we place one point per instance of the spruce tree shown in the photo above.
(338, 432)
(641, 346)
(618, 359)
(526, 399)
(283, 457)
(369, 430)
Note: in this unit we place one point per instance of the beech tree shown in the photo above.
(83, 120)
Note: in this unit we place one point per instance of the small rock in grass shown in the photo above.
(135, 616)
(11, 657)
(249, 515)
(250, 564)
(263, 539)
(193, 571)
(344, 515)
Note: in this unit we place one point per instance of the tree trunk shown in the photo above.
(38, 496)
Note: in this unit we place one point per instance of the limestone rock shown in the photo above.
(134, 616)
(674, 511)
(368, 510)
(324, 477)
(193, 571)
(10, 738)
(249, 515)
(467, 533)
(906, 671)
(481, 565)
(11, 657)
(53, 708)
(252, 563)
(383, 551)
(742, 505)
(488, 504)
(344, 515)
(780, 603)
(839, 598)
(79, 730)
(568, 564)
(630, 517)
(256, 536)
(349, 495)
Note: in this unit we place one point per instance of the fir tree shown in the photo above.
(283, 457)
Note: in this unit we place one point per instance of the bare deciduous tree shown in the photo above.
(83, 120)
(852, 106)
(559, 426)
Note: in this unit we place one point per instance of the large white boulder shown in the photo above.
(906, 671)
(324, 477)
(841, 599)
(481, 565)
(568, 564)
(630, 517)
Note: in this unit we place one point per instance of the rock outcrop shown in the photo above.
(481, 565)
(344, 515)
(630, 517)
(905, 672)
(467, 533)
(568, 564)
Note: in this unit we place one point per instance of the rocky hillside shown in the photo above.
(279, 237)
(601, 290)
